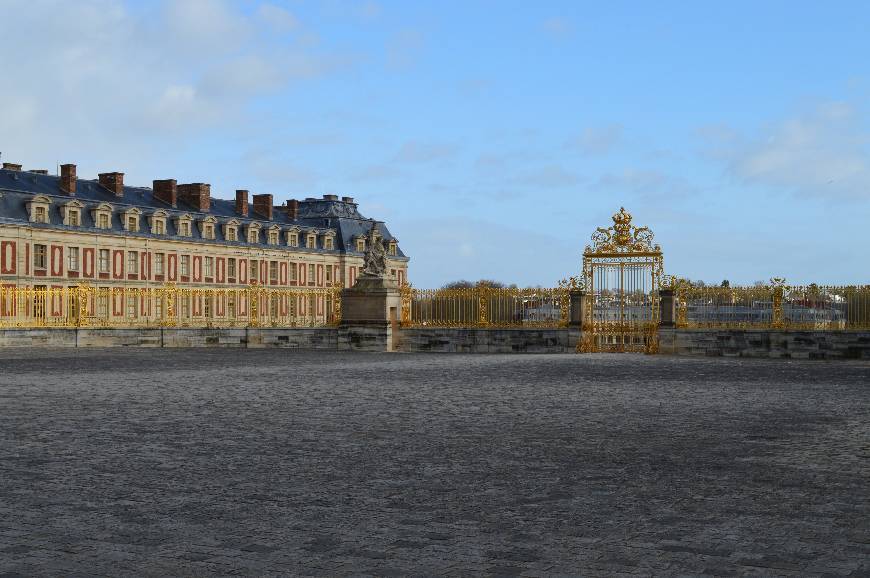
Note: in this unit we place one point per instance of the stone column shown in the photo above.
(370, 311)
(667, 309)
(576, 313)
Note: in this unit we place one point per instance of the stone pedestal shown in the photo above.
(370, 315)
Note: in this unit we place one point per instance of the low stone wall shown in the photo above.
(766, 343)
(300, 338)
(447, 340)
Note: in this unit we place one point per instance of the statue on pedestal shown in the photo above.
(375, 258)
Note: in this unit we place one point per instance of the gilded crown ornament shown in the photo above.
(622, 237)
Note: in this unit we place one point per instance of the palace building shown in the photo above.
(61, 232)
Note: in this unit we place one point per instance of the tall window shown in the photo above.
(73, 258)
(361, 245)
(328, 243)
(132, 223)
(328, 274)
(104, 261)
(206, 305)
(392, 248)
(73, 217)
(208, 266)
(231, 267)
(294, 239)
(103, 221)
(184, 265)
(293, 275)
(103, 302)
(232, 234)
(39, 256)
(131, 306)
(273, 237)
(311, 242)
(40, 215)
(254, 266)
(208, 231)
(132, 261)
(311, 278)
(184, 228)
(159, 227)
(273, 272)
(253, 236)
(159, 260)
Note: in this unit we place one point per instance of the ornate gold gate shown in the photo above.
(622, 274)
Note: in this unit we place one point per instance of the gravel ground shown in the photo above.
(275, 462)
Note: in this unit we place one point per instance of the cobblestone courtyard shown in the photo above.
(200, 462)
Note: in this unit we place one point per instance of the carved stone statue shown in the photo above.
(375, 258)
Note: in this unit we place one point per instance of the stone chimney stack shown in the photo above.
(11, 167)
(242, 202)
(113, 182)
(263, 205)
(68, 179)
(38, 171)
(292, 209)
(347, 199)
(197, 195)
(167, 191)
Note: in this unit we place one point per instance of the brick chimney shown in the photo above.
(166, 190)
(113, 182)
(68, 179)
(242, 202)
(38, 171)
(197, 195)
(292, 209)
(11, 167)
(263, 205)
(347, 199)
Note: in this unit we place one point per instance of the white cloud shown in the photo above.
(596, 140)
(823, 152)
(417, 152)
(106, 81)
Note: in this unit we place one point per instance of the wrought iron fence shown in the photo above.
(484, 307)
(774, 305)
(169, 306)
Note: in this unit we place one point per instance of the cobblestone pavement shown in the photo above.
(273, 462)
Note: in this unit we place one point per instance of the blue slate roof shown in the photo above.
(320, 215)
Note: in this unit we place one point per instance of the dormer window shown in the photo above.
(231, 230)
(158, 222)
(311, 241)
(274, 236)
(206, 227)
(72, 213)
(328, 243)
(38, 209)
(361, 244)
(102, 216)
(183, 225)
(253, 233)
(131, 220)
(293, 238)
(392, 248)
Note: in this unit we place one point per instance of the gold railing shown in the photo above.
(774, 305)
(484, 307)
(169, 306)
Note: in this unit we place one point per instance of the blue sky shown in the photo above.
(493, 137)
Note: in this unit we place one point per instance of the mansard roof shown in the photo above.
(318, 215)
